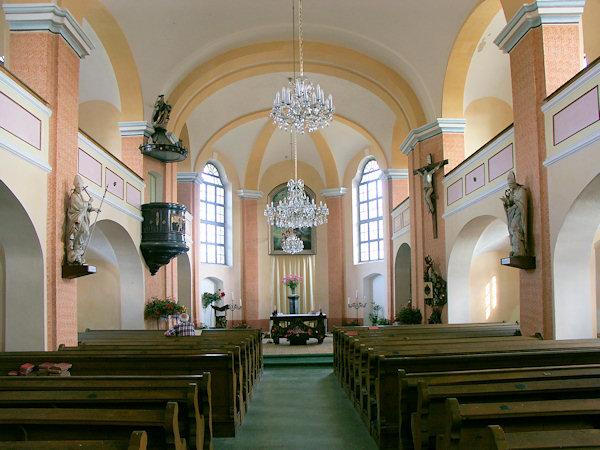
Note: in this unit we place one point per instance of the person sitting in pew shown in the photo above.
(183, 328)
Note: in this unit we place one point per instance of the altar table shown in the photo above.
(314, 324)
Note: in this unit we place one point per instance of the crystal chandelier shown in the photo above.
(301, 106)
(291, 243)
(296, 209)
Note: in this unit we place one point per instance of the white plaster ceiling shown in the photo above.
(413, 38)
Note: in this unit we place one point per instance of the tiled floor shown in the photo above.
(299, 407)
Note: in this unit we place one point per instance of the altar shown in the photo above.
(314, 325)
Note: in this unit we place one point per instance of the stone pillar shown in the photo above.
(396, 189)
(188, 193)
(250, 312)
(545, 48)
(443, 139)
(335, 256)
(46, 45)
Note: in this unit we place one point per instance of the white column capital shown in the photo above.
(141, 128)
(431, 129)
(245, 193)
(189, 177)
(335, 192)
(48, 17)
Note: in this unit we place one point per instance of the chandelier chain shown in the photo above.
(300, 41)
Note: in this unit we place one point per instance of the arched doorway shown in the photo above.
(480, 289)
(22, 308)
(112, 298)
(374, 290)
(575, 270)
(184, 284)
(402, 272)
(209, 284)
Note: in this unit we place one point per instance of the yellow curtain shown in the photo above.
(302, 265)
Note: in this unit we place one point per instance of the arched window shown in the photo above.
(370, 213)
(212, 217)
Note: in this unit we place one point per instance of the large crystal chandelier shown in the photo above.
(291, 243)
(301, 106)
(296, 209)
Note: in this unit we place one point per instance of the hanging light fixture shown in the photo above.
(301, 106)
(296, 209)
(291, 243)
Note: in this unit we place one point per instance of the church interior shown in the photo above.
(451, 170)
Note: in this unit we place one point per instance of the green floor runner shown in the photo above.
(299, 407)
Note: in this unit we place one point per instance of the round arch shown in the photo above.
(460, 57)
(113, 298)
(270, 57)
(22, 280)
(574, 305)
(402, 280)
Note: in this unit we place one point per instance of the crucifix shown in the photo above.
(429, 194)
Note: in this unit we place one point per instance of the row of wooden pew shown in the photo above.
(181, 391)
(441, 386)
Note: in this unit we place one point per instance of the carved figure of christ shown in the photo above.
(429, 195)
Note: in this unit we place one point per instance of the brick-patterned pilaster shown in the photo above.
(542, 58)
(46, 63)
(250, 261)
(443, 139)
(188, 194)
(335, 258)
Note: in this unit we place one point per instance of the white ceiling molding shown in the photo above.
(142, 128)
(431, 129)
(48, 17)
(245, 193)
(538, 13)
(335, 192)
(394, 174)
(189, 177)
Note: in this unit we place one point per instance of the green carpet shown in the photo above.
(299, 407)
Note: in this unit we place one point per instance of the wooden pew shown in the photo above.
(546, 440)
(242, 383)
(137, 441)
(466, 424)
(383, 371)
(429, 419)
(73, 422)
(191, 392)
(408, 385)
(225, 416)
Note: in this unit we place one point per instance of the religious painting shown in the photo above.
(307, 235)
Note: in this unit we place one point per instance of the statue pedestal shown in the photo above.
(77, 270)
(520, 262)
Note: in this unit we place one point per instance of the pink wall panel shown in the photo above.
(500, 163)
(474, 179)
(405, 218)
(454, 192)
(114, 183)
(397, 224)
(580, 114)
(134, 196)
(89, 167)
(18, 121)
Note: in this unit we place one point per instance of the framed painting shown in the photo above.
(307, 235)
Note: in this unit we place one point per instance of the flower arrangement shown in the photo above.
(292, 281)
(209, 298)
(157, 307)
(297, 332)
(408, 315)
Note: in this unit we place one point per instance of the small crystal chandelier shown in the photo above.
(296, 209)
(291, 243)
(301, 106)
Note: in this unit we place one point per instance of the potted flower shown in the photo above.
(212, 299)
(408, 315)
(292, 282)
(208, 298)
(158, 308)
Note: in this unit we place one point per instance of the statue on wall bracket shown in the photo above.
(516, 206)
(78, 230)
(429, 195)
